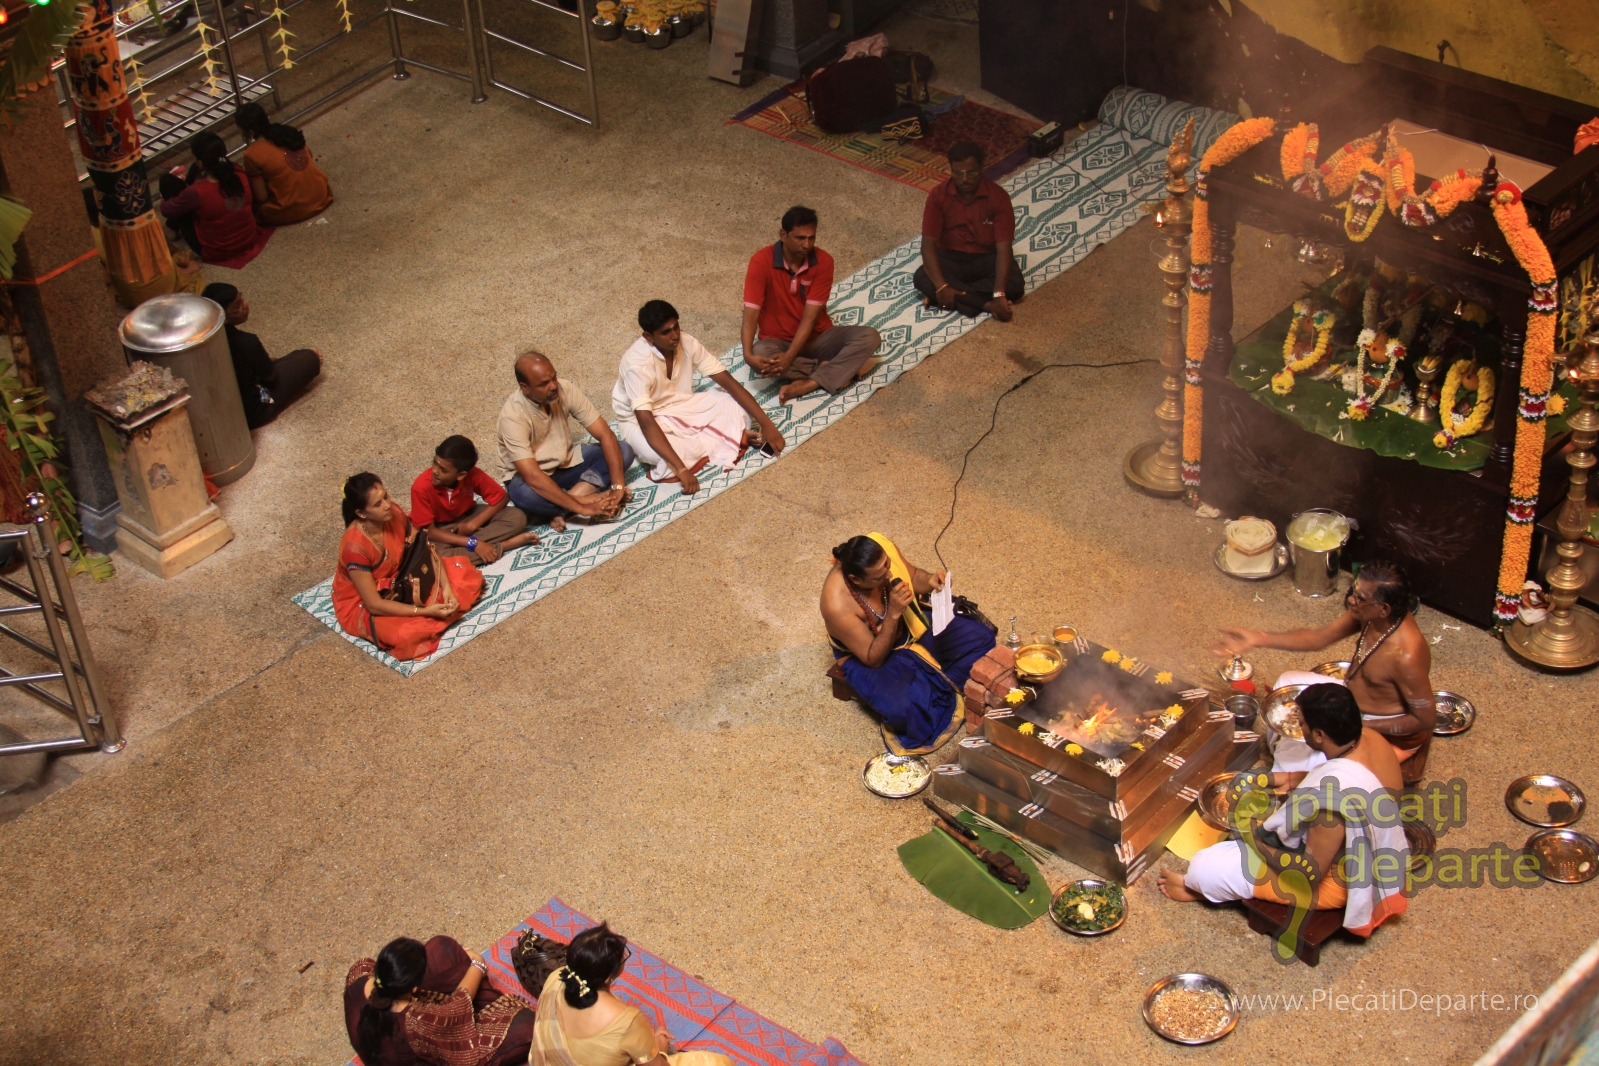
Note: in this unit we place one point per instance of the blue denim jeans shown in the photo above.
(592, 469)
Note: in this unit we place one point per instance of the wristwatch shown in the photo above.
(471, 544)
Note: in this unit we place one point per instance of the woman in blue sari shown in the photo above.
(885, 645)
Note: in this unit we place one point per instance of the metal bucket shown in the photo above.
(1316, 571)
(1244, 708)
(184, 332)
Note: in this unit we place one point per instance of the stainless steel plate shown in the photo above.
(1282, 713)
(1088, 883)
(916, 761)
(1455, 714)
(1336, 670)
(1198, 982)
(1565, 855)
(1545, 800)
(1279, 564)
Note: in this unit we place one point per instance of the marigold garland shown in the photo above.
(1454, 430)
(1536, 379)
(1321, 324)
(1234, 142)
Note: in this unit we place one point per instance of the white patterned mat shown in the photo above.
(1066, 205)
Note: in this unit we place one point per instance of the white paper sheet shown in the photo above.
(943, 605)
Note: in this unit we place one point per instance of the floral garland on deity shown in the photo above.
(1456, 428)
(1374, 337)
(1321, 322)
(1537, 378)
(1234, 142)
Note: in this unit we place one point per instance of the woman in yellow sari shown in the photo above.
(580, 1023)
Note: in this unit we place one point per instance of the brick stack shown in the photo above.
(1031, 781)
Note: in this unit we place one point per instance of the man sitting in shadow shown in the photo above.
(266, 385)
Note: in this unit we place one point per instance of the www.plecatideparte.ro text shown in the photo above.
(1402, 999)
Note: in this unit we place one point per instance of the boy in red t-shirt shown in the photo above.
(785, 293)
(442, 502)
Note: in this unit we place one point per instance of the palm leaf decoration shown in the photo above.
(13, 216)
(955, 876)
(41, 39)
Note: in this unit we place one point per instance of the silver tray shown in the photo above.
(916, 759)
(1541, 811)
(1277, 568)
(1334, 670)
(1455, 714)
(1202, 982)
(1565, 855)
(1280, 704)
(1087, 882)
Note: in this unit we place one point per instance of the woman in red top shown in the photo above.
(210, 206)
(369, 559)
(431, 1003)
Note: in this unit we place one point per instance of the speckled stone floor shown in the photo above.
(655, 743)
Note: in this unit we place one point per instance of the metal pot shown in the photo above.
(1316, 572)
(658, 38)
(606, 29)
(680, 25)
(634, 33)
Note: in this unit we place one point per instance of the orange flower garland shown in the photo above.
(1233, 143)
(1536, 379)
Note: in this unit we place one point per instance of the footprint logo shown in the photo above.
(1292, 875)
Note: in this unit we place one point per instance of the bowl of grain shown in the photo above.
(1039, 662)
(1191, 1008)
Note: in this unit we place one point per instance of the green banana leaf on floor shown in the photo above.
(960, 879)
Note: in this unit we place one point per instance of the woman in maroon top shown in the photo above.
(210, 206)
(431, 1003)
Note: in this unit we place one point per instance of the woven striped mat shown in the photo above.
(1066, 206)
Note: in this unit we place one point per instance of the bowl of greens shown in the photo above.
(1089, 907)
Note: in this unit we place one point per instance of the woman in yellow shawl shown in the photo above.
(580, 1023)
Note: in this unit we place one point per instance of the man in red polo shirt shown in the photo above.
(967, 229)
(785, 294)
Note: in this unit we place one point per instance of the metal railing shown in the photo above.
(86, 702)
(586, 68)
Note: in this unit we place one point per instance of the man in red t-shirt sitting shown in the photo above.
(967, 229)
(442, 503)
(785, 294)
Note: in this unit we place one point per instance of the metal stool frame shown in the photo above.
(86, 702)
(586, 67)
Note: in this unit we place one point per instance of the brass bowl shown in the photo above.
(1047, 651)
(1334, 670)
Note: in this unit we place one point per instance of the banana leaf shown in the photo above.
(39, 41)
(960, 879)
(13, 216)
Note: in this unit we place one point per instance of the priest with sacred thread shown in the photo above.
(902, 666)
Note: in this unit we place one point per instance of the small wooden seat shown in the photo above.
(1267, 918)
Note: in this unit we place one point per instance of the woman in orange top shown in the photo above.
(287, 186)
(369, 558)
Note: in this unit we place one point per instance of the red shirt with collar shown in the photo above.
(431, 506)
(974, 228)
(781, 295)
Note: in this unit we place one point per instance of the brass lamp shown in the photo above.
(1568, 637)
(1156, 466)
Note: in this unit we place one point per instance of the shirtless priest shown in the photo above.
(1389, 670)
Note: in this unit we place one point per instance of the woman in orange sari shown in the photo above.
(369, 558)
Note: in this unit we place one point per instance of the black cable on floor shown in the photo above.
(993, 421)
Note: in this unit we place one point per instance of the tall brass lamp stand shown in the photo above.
(1568, 638)
(1156, 466)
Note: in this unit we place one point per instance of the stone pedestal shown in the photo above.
(795, 38)
(167, 522)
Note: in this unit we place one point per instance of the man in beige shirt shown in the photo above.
(555, 477)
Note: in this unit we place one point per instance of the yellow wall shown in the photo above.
(1552, 45)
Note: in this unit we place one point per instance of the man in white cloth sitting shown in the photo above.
(674, 429)
(1343, 841)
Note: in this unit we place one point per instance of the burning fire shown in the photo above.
(1101, 711)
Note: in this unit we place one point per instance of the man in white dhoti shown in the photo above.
(675, 430)
(1343, 845)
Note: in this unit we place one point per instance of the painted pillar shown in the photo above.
(134, 241)
(62, 304)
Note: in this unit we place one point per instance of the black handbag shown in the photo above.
(968, 609)
(419, 570)
(535, 958)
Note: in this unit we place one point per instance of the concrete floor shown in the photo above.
(655, 743)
